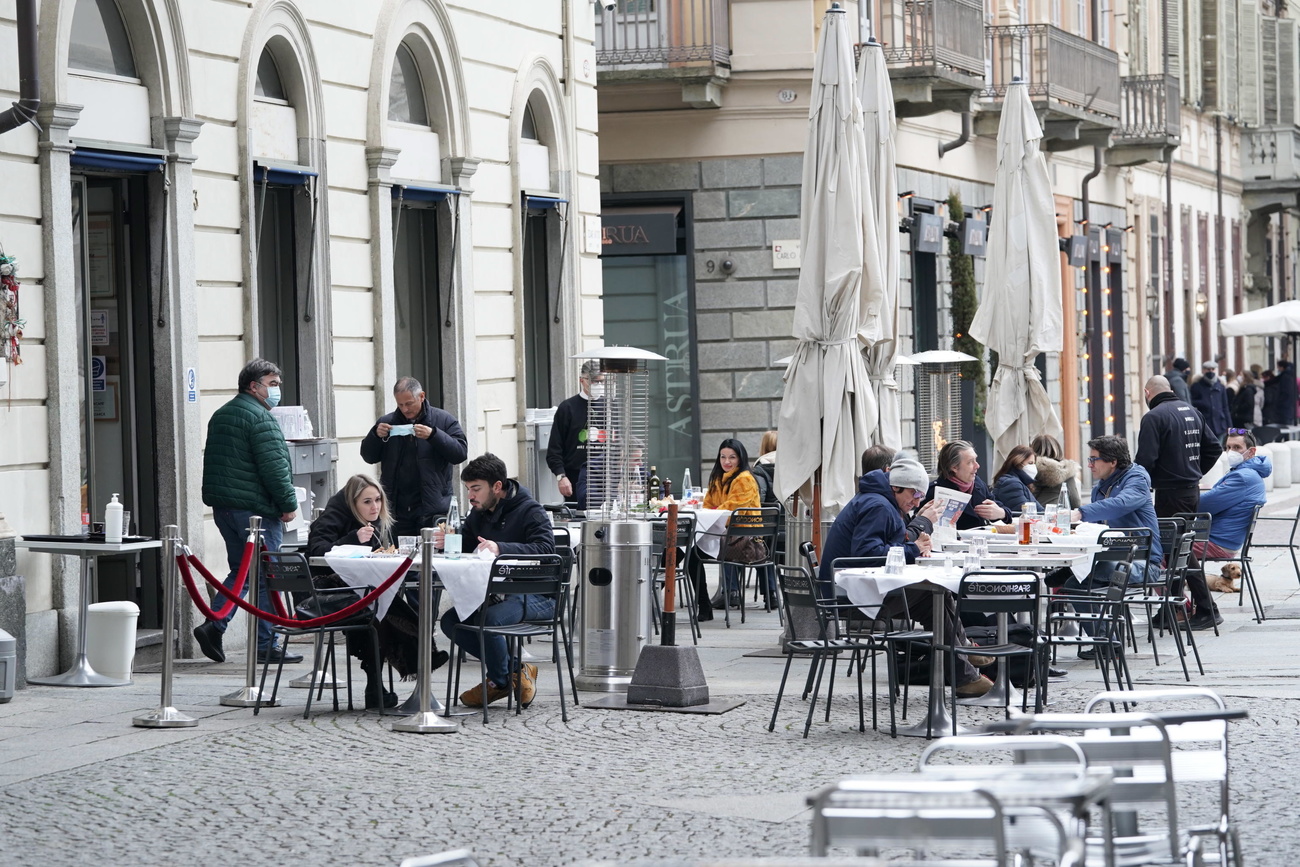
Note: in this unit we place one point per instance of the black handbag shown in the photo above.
(325, 604)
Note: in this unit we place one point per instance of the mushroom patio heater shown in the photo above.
(938, 402)
(614, 561)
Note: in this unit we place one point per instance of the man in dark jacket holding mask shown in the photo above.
(505, 520)
(417, 444)
(1175, 447)
(1210, 397)
(869, 526)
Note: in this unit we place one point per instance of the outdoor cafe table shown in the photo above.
(867, 588)
(465, 578)
(710, 528)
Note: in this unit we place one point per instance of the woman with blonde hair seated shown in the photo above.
(359, 515)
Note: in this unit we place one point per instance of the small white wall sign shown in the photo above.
(785, 254)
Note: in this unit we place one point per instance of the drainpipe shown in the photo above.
(1096, 413)
(960, 140)
(29, 80)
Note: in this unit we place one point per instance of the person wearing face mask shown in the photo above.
(566, 453)
(1231, 502)
(1176, 449)
(246, 472)
(1210, 398)
(1011, 485)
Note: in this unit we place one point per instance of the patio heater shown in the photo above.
(938, 402)
(614, 558)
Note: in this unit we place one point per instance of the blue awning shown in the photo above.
(284, 176)
(430, 195)
(114, 161)
(544, 201)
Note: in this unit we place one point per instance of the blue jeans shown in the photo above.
(514, 609)
(233, 524)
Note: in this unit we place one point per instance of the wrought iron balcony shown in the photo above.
(648, 39)
(1149, 120)
(935, 53)
(1271, 168)
(1074, 82)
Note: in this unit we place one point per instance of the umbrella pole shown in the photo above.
(817, 513)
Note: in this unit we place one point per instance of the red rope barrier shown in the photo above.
(241, 580)
(293, 623)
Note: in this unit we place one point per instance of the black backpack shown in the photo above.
(766, 488)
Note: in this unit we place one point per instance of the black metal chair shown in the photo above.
(747, 523)
(1290, 543)
(1104, 615)
(520, 575)
(290, 573)
(1247, 574)
(1198, 524)
(1163, 601)
(1005, 594)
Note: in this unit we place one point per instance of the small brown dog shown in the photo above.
(1226, 580)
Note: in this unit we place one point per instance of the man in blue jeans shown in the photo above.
(505, 520)
(246, 472)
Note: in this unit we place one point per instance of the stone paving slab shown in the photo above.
(79, 785)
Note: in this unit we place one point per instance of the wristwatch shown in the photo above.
(561, 477)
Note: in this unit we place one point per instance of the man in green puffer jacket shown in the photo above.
(246, 472)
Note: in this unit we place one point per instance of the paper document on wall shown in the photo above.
(951, 503)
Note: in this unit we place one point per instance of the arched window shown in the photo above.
(99, 40)
(528, 129)
(268, 84)
(406, 103)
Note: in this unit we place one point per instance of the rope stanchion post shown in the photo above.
(250, 695)
(425, 721)
(165, 716)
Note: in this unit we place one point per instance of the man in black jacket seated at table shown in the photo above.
(417, 445)
(505, 520)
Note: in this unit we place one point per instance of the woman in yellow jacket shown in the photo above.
(731, 486)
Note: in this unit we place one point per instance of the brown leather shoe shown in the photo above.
(529, 689)
(980, 661)
(975, 688)
(473, 697)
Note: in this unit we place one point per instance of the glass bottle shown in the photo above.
(653, 489)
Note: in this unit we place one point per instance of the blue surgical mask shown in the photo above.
(273, 396)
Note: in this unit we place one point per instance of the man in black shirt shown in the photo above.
(417, 445)
(566, 453)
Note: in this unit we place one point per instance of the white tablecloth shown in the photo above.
(466, 578)
(867, 588)
(710, 528)
(1026, 558)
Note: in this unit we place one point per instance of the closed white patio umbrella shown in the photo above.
(1020, 313)
(827, 411)
(881, 197)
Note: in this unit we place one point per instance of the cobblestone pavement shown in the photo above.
(79, 785)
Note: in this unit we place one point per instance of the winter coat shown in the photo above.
(435, 457)
(1211, 400)
(1051, 475)
(337, 526)
(968, 518)
(1272, 411)
(1243, 407)
(1286, 397)
(518, 524)
(1174, 445)
(764, 471)
(246, 460)
(1178, 382)
(1232, 499)
(1123, 500)
(743, 493)
(1012, 490)
(868, 526)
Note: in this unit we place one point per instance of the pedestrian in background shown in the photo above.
(1177, 376)
(1175, 448)
(1211, 399)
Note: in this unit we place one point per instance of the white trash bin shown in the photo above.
(1282, 456)
(8, 665)
(110, 638)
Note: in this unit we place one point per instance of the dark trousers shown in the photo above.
(1169, 502)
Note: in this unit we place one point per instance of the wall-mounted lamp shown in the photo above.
(907, 195)
(1153, 302)
(1201, 305)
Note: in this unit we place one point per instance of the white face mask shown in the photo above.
(596, 390)
(1235, 458)
(1030, 470)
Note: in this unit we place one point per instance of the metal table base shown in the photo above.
(937, 722)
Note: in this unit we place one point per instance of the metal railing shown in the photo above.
(1055, 64)
(1271, 154)
(661, 33)
(920, 33)
(1149, 107)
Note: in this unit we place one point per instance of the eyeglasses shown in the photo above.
(1092, 460)
(1237, 431)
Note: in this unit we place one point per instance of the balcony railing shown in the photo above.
(930, 33)
(649, 34)
(1149, 107)
(1272, 154)
(1056, 65)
